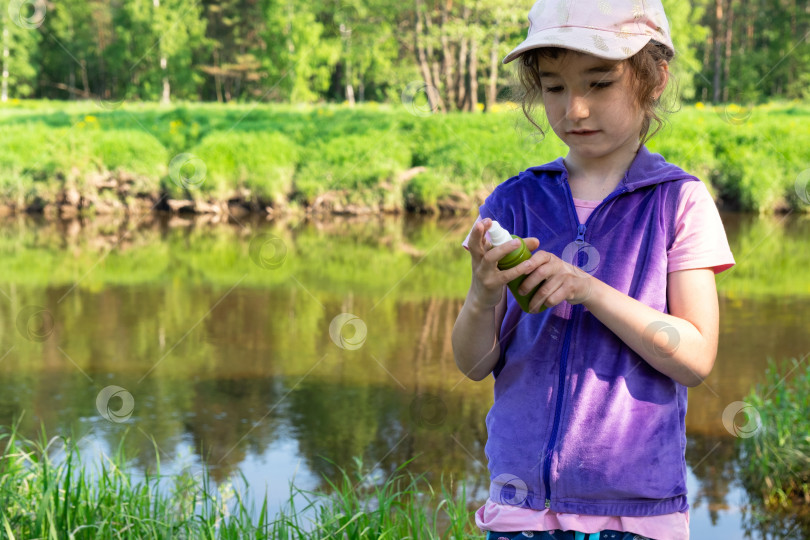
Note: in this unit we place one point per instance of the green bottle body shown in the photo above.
(512, 259)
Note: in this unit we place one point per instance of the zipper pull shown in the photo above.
(548, 503)
(580, 234)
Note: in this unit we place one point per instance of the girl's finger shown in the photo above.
(541, 269)
(546, 291)
(532, 243)
(478, 242)
(499, 252)
(538, 301)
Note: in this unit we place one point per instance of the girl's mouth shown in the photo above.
(584, 132)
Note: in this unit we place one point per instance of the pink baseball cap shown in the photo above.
(611, 29)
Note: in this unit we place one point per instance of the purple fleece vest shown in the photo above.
(581, 423)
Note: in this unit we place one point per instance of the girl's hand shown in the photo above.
(564, 282)
(487, 281)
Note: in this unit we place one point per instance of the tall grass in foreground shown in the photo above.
(47, 491)
(775, 460)
(404, 506)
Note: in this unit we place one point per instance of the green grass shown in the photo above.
(47, 490)
(775, 461)
(272, 154)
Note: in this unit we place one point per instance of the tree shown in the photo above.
(20, 40)
(353, 50)
(687, 32)
(162, 37)
(79, 31)
(298, 61)
(235, 28)
(502, 26)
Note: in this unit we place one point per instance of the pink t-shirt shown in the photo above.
(700, 242)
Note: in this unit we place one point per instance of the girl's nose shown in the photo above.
(577, 107)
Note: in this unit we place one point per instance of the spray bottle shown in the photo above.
(499, 236)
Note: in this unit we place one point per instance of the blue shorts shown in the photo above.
(564, 535)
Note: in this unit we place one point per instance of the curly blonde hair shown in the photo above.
(644, 65)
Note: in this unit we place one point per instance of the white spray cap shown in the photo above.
(498, 234)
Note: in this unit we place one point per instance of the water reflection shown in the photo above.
(236, 362)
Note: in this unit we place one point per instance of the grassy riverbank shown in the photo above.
(48, 491)
(63, 158)
(775, 440)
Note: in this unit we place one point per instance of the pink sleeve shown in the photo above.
(466, 241)
(700, 239)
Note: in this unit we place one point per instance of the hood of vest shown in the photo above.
(646, 169)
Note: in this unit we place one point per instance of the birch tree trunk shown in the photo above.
(423, 52)
(461, 75)
(447, 54)
(727, 59)
(165, 98)
(163, 66)
(716, 89)
(346, 35)
(433, 63)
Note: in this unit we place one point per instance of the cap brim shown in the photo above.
(600, 43)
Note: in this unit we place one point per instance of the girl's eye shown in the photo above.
(553, 89)
(603, 84)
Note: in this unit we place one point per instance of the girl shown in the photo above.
(587, 432)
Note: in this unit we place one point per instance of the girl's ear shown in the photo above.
(663, 68)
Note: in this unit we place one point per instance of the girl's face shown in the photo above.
(590, 104)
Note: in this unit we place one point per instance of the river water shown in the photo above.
(284, 349)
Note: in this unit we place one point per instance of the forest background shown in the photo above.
(348, 51)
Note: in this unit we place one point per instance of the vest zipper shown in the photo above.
(580, 233)
(580, 239)
(560, 388)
